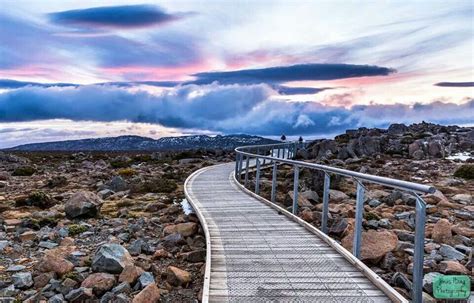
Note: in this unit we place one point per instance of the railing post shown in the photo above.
(295, 190)
(257, 178)
(278, 152)
(295, 149)
(241, 162)
(236, 164)
(324, 223)
(247, 171)
(358, 220)
(420, 216)
(274, 181)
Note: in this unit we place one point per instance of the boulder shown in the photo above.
(435, 149)
(99, 282)
(337, 196)
(130, 274)
(302, 201)
(452, 267)
(338, 227)
(55, 263)
(150, 294)
(463, 198)
(451, 253)
(397, 129)
(117, 184)
(442, 231)
(310, 195)
(177, 277)
(22, 280)
(111, 258)
(375, 244)
(83, 204)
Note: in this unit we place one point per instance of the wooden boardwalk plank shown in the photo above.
(259, 255)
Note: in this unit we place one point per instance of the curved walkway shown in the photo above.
(259, 254)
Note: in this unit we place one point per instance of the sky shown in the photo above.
(82, 69)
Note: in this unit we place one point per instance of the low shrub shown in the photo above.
(24, 171)
(465, 171)
(127, 172)
(76, 229)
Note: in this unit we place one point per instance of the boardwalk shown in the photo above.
(260, 255)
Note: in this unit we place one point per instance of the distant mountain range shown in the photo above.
(137, 143)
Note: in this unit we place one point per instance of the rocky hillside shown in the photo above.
(79, 227)
(417, 141)
(137, 143)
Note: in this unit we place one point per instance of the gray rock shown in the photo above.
(397, 129)
(136, 247)
(118, 184)
(105, 193)
(47, 244)
(9, 291)
(402, 281)
(59, 298)
(146, 279)
(385, 223)
(338, 227)
(428, 281)
(14, 268)
(451, 253)
(435, 149)
(111, 258)
(80, 294)
(394, 196)
(22, 280)
(4, 244)
(123, 287)
(374, 203)
(173, 240)
(374, 224)
(83, 204)
(63, 232)
(310, 195)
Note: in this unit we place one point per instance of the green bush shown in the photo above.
(24, 171)
(76, 229)
(465, 171)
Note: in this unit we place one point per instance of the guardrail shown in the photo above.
(284, 153)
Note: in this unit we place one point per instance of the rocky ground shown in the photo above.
(418, 153)
(99, 227)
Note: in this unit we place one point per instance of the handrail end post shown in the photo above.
(418, 262)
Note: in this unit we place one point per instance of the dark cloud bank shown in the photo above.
(299, 72)
(455, 84)
(220, 108)
(114, 16)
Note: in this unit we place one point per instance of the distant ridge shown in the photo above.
(138, 143)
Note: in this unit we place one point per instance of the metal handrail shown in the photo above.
(290, 150)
